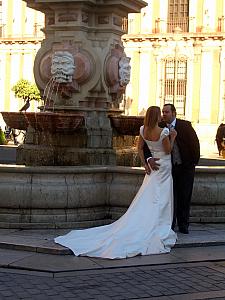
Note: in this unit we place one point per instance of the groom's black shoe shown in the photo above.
(183, 229)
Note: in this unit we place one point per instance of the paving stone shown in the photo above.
(155, 281)
(7, 293)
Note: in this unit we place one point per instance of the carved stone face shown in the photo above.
(62, 68)
(124, 70)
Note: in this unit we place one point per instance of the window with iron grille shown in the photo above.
(178, 15)
(174, 83)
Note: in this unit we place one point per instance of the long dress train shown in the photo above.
(144, 229)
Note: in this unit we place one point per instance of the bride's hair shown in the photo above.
(152, 116)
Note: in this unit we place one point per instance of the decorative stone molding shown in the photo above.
(173, 49)
(117, 21)
(67, 17)
(103, 20)
(84, 17)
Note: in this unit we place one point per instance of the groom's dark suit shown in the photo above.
(183, 174)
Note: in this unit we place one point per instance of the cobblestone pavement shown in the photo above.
(202, 280)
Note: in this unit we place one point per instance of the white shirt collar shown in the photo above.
(172, 124)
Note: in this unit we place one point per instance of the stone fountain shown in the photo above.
(67, 173)
(82, 72)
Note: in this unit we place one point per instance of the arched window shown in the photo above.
(174, 83)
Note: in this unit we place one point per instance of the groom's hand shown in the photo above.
(147, 169)
(152, 162)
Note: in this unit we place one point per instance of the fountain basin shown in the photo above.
(17, 120)
(78, 197)
(127, 125)
(43, 121)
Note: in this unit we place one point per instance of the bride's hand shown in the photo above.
(173, 133)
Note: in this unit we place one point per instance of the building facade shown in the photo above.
(177, 50)
(20, 39)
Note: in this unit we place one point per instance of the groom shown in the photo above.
(185, 156)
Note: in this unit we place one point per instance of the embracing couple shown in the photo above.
(185, 155)
(169, 156)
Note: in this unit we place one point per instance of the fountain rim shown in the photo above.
(12, 168)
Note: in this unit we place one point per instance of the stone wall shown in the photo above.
(75, 197)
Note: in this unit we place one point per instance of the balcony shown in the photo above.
(181, 22)
(168, 26)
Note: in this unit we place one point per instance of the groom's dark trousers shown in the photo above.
(183, 174)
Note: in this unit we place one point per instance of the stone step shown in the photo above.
(204, 161)
(42, 241)
(8, 154)
(47, 248)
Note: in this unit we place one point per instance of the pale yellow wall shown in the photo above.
(215, 87)
(196, 89)
(152, 81)
(2, 80)
(199, 14)
(206, 86)
(7, 7)
(155, 14)
(20, 20)
(7, 81)
(135, 81)
(16, 18)
(16, 58)
(146, 24)
(144, 79)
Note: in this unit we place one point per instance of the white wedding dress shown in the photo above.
(144, 229)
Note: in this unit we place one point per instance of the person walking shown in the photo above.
(185, 156)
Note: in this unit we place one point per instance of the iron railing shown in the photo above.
(221, 27)
(35, 34)
(181, 22)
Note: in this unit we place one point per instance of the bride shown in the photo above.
(145, 228)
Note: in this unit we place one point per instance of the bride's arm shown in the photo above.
(168, 141)
(141, 154)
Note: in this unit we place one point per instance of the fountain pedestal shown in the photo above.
(81, 67)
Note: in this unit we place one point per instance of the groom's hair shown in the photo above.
(173, 108)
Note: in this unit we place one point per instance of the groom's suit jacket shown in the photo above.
(187, 142)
